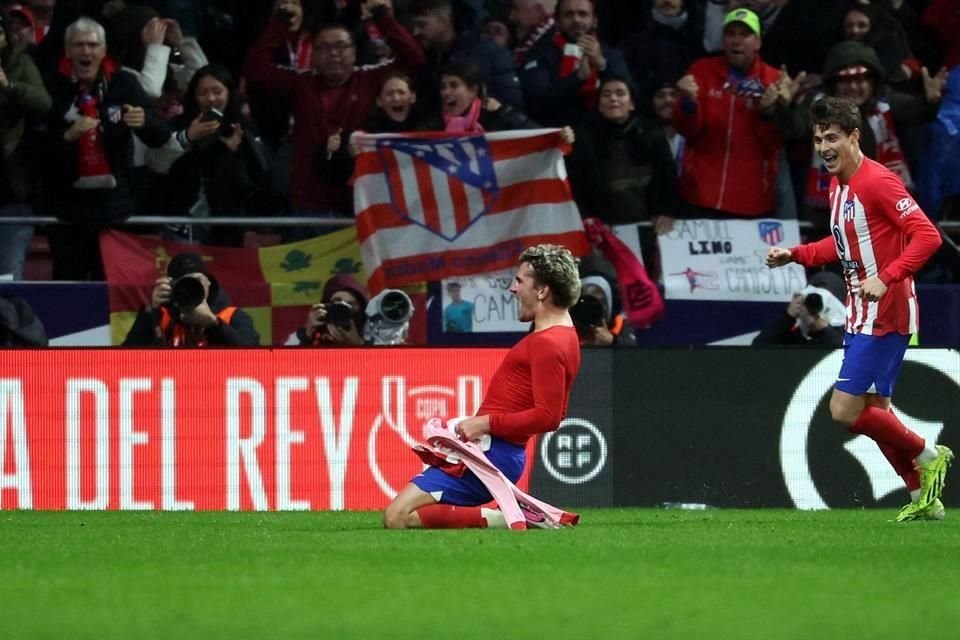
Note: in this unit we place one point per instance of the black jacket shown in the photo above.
(96, 206)
(240, 332)
(622, 173)
(553, 100)
(496, 71)
(783, 332)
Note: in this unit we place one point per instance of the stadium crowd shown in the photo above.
(676, 108)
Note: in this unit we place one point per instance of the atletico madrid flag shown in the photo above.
(431, 206)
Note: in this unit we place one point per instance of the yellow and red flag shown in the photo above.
(275, 285)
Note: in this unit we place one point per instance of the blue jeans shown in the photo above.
(14, 240)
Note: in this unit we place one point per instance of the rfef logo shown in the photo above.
(575, 453)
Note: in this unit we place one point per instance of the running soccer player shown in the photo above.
(881, 237)
(528, 394)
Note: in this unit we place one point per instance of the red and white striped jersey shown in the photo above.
(877, 230)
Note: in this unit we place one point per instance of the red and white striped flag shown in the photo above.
(431, 206)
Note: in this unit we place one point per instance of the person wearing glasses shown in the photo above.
(329, 102)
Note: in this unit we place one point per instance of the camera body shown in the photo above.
(587, 313)
(813, 302)
(339, 314)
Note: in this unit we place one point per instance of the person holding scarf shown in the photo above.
(562, 73)
(97, 109)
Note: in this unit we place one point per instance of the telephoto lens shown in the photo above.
(187, 293)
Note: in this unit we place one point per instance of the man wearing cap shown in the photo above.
(170, 321)
(726, 115)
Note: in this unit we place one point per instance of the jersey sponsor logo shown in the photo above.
(850, 265)
(904, 204)
(811, 445)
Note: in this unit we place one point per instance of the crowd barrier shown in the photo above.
(295, 429)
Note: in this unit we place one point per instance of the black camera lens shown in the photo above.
(395, 306)
(339, 314)
(587, 313)
(176, 56)
(187, 293)
(814, 303)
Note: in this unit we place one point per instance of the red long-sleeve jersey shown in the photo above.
(530, 390)
(877, 230)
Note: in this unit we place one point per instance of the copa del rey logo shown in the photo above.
(404, 414)
(442, 185)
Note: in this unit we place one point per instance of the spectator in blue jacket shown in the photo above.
(939, 182)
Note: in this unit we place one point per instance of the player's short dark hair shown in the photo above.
(829, 111)
(556, 267)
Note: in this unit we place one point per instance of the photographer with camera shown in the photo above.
(598, 316)
(339, 318)
(188, 309)
(814, 317)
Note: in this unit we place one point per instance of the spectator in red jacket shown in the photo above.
(725, 113)
(329, 103)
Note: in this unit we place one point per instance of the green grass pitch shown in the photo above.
(637, 573)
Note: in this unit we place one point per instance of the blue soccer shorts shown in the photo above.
(871, 363)
(468, 490)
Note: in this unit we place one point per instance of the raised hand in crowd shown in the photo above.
(4, 82)
(687, 85)
(592, 51)
(367, 8)
(933, 85)
(567, 135)
(235, 138)
(290, 13)
(174, 33)
(334, 142)
(155, 31)
(79, 127)
(770, 96)
(790, 87)
(200, 127)
(134, 117)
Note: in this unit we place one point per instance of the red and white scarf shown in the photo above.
(93, 168)
(572, 56)
(520, 52)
